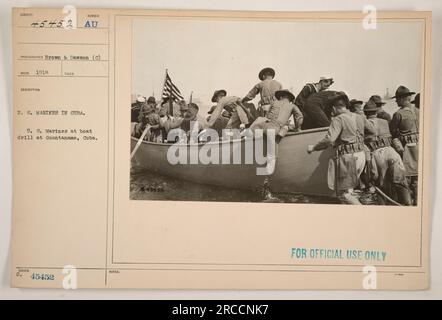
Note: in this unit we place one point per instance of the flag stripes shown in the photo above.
(171, 90)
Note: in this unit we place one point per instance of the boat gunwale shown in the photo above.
(167, 144)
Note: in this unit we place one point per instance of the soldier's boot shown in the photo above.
(348, 198)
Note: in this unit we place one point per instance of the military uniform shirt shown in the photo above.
(267, 89)
(280, 112)
(380, 127)
(345, 128)
(382, 114)
(405, 121)
(226, 102)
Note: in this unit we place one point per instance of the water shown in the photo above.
(146, 185)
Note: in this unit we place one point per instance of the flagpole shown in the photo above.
(170, 104)
(190, 99)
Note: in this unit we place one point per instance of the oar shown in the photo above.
(139, 142)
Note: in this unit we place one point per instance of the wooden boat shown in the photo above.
(296, 171)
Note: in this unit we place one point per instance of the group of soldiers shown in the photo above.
(373, 150)
(154, 119)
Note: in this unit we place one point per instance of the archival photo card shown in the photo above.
(179, 149)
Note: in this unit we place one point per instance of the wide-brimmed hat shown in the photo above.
(218, 92)
(151, 100)
(265, 71)
(402, 91)
(416, 100)
(371, 106)
(355, 101)
(339, 95)
(377, 99)
(281, 93)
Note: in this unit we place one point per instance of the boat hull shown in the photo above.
(296, 171)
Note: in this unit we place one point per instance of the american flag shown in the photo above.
(171, 90)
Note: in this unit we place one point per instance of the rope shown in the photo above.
(387, 197)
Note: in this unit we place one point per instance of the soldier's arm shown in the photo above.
(333, 133)
(384, 115)
(298, 117)
(394, 125)
(252, 93)
(219, 108)
(215, 114)
(369, 127)
(202, 122)
(173, 124)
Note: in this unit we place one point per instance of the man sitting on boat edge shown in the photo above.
(279, 114)
(240, 116)
(275, 126)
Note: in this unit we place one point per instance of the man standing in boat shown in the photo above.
(240, 117)
(404, 129)
(346, 134)
(324, 83)
(390, 172)
(136, 108)
(266, 88)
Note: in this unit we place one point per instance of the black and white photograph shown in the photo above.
(199, 151)
(284, 111)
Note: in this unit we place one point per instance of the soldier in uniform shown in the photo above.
(381, 112)
(346, 134)
(148, 118)
(404, 129)
(277, 120)
(266, 88)
(279, 114)
(389, 173)
(149, 105)
(221, 122)
(356, 106)
(240, 116)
